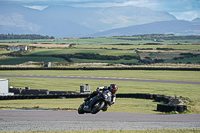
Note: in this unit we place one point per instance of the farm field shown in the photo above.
(134, 61)
(135, 39)
(21, 60)
(73, 51)
(132, 50)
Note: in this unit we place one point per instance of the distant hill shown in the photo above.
(179, 27)
(196, 20)
(18, 19)
(65, 21)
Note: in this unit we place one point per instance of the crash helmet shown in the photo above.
(113, 88)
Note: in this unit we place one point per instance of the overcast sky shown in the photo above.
(181, 9)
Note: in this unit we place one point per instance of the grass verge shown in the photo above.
(141, 74)
(122, 105)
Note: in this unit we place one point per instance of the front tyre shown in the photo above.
(80, 109)
(97, 107)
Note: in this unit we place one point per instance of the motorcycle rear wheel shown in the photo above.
(97, 107)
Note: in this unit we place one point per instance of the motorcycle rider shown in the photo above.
(105, 90)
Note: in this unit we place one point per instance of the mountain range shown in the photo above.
(178, 27)
(66, 21)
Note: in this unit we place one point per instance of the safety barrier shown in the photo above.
(170, 108)
(100, 68)
(170, 103)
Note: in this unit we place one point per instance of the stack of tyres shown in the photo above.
(164, 108)
(158, 98)
(180, 108)
(173, 107)
(144, 96)
(170, 108)
(138, 95)
(3, 98)
(159, 106)
(149, 96)
(166, 99)
(133, 95)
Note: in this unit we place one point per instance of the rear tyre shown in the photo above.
(97, 107)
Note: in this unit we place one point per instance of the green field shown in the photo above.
(187, 60)
(137, 39)
(147, 49)
(20, 60)
(140, 74)
(104, 61)
(121, 105)
(73, 51)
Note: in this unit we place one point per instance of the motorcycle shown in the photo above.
(99, 102)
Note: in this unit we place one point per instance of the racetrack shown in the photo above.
(48, 120)
(105, 78)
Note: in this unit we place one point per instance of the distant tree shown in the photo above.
(23, 36)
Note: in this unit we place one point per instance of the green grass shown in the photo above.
(165, 39)
(20, 60)
(111, 46)
(73, 51)
(140, 74)
(121, 105)
(186, 60)
(169, 56)
(141, 46)
(4, 52)
(189, 47)
(191, 91)
(185, 90)
(75, 60)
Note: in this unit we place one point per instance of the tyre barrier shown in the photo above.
(135, 95)
(170, 103)
(42, 96)
(170, 108)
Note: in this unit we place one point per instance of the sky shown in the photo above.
(181, 9)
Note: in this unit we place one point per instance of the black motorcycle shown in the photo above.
(99, 102)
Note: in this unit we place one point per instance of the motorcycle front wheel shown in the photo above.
(97, 107)
(80, 110)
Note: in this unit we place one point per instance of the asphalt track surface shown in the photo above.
(48, 120)
(104, 78)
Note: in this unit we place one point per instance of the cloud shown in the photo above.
(37, 7)
(111, 3)
(179, 8)
(188, 15)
